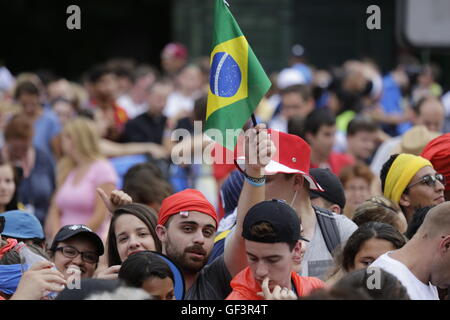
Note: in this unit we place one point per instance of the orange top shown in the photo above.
(245, 287)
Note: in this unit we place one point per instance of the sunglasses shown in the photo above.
(71, 252)
(429, 180)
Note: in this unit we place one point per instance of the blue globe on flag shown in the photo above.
(225, 76)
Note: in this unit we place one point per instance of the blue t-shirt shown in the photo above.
(35, 191)
(45, 129)
(391, 103)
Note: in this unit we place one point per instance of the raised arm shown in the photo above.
(113, 149)
(100, 212)
(259, 149)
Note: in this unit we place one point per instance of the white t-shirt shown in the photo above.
(132, 109)
(417, 290)
(177, 102)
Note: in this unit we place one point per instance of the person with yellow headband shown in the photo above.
(411, 182)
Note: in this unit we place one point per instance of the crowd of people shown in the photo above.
(351, 182)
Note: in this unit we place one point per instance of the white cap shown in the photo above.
(289, 77)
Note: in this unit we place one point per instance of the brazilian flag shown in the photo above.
(237, 80)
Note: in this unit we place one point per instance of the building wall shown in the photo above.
(330, 31)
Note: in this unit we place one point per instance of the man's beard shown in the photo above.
(181, 259)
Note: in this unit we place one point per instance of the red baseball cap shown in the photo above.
(292, 156)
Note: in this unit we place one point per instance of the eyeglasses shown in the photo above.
(71, 252)
(429, 180)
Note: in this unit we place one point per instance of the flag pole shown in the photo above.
(254, 120)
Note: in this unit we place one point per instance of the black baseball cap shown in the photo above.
(333, 188)
(71, 230)
(279, 215)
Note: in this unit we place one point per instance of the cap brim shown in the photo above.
(98, 242)
(303, 239)
(275, 167)
(313, 194)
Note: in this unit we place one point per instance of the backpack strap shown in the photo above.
(329, 228)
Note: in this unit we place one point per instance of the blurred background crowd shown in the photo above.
(83, 120)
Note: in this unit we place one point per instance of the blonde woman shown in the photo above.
(80, 172)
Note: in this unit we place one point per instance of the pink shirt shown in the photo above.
(76, 202)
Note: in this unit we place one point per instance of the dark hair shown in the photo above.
(377, 209)
(303, 90)
(416, 221)
(385, 169)
(97, 72)
(264, 229)
(334, 293)
(361, 124)
(390, 288)
(145, 184)
(296, 126)
(367, 231)
(26, 87)
(143, 265)
(318, 118)
(140, 211)
(200, 108)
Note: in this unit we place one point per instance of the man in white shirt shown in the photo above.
(424, 262)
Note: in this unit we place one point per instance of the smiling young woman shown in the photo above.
(132, 230)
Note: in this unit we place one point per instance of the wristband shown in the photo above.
(257, 182)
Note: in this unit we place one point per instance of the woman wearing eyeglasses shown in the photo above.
(76, 248)
(411, 182)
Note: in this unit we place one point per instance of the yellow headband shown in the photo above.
(402, 170)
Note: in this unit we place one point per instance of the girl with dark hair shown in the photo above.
(365, 245)
(132, 230)
(150, 272)
(368, 242)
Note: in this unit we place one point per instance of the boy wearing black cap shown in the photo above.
(271, 230)
(76, 247)
(333, 196)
